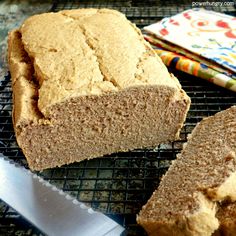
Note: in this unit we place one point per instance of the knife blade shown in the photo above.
(49, 208)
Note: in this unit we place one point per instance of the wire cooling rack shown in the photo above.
(145, 12)
(119, 184)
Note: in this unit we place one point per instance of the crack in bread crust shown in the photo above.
(88, 41)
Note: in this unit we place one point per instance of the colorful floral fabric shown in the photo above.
(205, 37)
(196, 68)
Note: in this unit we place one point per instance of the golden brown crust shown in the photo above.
(25, 91)
(89, 53)
(18, 59)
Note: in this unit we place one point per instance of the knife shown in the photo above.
(49, 208)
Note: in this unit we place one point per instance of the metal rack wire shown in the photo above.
(119, 184)
(141, 12)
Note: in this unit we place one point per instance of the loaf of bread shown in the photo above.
(85, 84)
(203, 175)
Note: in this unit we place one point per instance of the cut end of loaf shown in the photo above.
(206, 167)
(96, 126)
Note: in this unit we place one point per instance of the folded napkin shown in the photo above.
(206, 38)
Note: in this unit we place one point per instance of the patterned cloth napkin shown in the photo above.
(199, 42)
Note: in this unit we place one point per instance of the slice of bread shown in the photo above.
(85, 84)
(203, 174)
